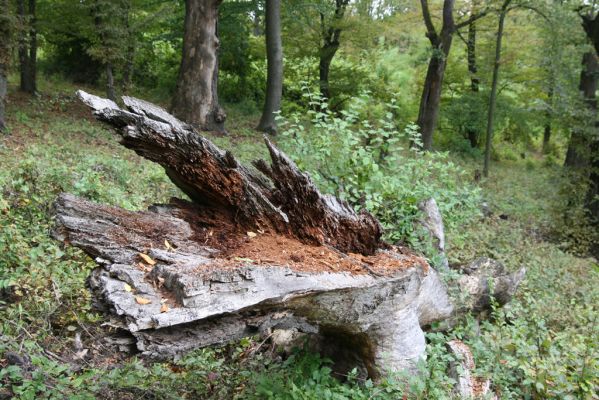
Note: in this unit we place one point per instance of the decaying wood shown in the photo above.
(468, 386)
(175, 276)
(178, 298)
(214, 178)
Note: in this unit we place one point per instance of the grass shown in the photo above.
(542, 345)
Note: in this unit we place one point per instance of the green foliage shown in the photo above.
(367, 164)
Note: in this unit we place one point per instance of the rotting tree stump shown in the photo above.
(253, 251)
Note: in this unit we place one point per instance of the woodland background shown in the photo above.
(510, 151)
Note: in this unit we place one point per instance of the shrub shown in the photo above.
(369, 165)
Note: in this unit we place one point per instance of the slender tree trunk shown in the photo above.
(23, 53)
(110, 92)
(274, 80)
(196, 97)
(548, 117)
(493, 97)
(130, 55)
(472, 132)
(27, 46)
(577, 155)
(5, 50)
(32, 64)
(430, 100)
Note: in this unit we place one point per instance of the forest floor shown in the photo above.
(542, 345)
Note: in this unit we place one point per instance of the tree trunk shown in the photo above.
(27, 46)
(274, 54)
(430, 99)
(472, 132)
(214, 178)
(577, 155)
(493, 97)
(327, 52)
(431, 91)
(130, 54)
(330, 45)
(248, 256)
(32, 64)
(196, 96)
(5, 56)
(110, 93)
(23, 53)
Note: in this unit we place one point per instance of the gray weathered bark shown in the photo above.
(196, 97)
(163, 281)
(461, 370)
(208, 304)
(274, 79)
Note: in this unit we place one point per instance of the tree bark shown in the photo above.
(429, 102)
(330, 45)
(5, 55)
(196, 96)
(175, 286)
(211, 177)
(27, 46)
(130, 53)
(493, 96)
(274, 80)
(32, 70)
(23, 54)
(588, 85)
(110, 92)
(577, 155)
(471, 132)
(428, 111)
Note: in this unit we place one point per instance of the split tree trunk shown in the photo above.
(192, 274)
(5, 55)
(274, 79)
(430, 99)
(330, 45)
(196, 96)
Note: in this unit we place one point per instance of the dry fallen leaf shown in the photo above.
(168, 245)
(127, 287)
(147, 258)
(164, 308)
(251, 234)
(142, 300)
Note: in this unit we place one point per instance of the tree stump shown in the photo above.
(253, 251)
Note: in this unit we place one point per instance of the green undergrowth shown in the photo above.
(541, 345)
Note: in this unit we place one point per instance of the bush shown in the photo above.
(368, 164)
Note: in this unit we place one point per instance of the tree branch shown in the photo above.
(431, 33)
